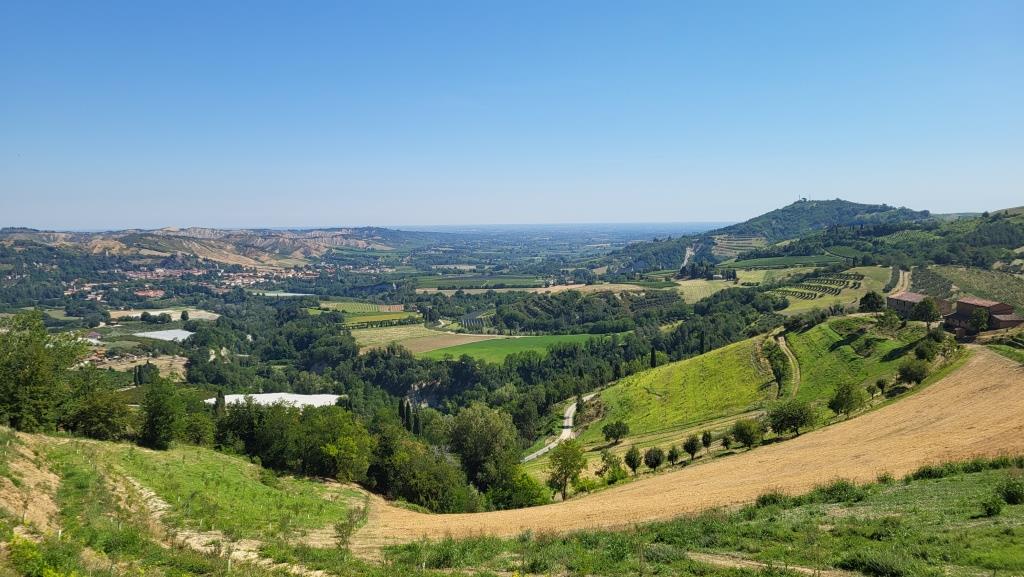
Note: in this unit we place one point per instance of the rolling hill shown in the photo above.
(246, 247)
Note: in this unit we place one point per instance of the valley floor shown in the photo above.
(975, 411)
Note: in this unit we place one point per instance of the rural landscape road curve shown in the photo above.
(978, 410)
(568, 418)
(793, 363)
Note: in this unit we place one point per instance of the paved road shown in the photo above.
(567, 422)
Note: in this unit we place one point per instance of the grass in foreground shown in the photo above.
(938, 521)
(210, 490)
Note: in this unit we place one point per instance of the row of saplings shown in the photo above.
(789, 416)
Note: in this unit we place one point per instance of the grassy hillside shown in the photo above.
(930, 524)
(828, 355)
(496, 350)
(987, 284)
(720, 383)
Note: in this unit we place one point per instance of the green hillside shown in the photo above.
(806, 216)
(828, 354)
(717, 384)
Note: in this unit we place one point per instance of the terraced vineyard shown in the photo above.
(730, 246)
(825, 290)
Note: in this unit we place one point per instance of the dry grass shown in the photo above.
(193, 314)
(977, 410)
(168, 365)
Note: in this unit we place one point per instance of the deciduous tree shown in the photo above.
(566, 464)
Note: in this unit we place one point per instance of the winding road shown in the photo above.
(568, 418)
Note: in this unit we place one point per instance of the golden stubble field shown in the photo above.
(976, 411)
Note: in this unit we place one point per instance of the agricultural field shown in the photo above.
(844, 288)
(931, 523)
(783, 261)
(583, 288)
(495, 350)
(168, 365)
(175, 313)
(694, 290)
(478, 281)
(989, 284)
(358, 307)
(828, 355)
(729, 246)
(979, 395)
(416, 338)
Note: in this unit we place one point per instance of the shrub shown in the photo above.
(1012, 490)
(838, 491)
(633, 459)
(747, 431)
(913, 371)
(880, 563)
(992, 506)
(773, 498)
(654, 457)
(926, 350)
(885, 478)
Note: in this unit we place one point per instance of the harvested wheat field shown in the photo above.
(977, 410)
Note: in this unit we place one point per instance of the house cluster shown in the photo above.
(958, 315)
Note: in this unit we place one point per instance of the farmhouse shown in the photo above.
(1000, 315)
(903, 303)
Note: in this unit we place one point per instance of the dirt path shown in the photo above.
(567, 433)
(903, 284)
(735, 562)
(792, 363)
(977, 410)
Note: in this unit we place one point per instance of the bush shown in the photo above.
(838, 491)
(773, 498)
(992, 506)
(913, 371)
(1012, 490)
(926, 350)
(747, 431)
(880, 563)
(885, 478)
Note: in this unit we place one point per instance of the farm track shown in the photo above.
(903, 284)
(978, 410)
(792, 363)
(566, 433)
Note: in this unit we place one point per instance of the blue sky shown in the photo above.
(158, 113)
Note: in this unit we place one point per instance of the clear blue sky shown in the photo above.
(153, 113)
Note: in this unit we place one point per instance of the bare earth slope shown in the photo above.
(977, 410)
